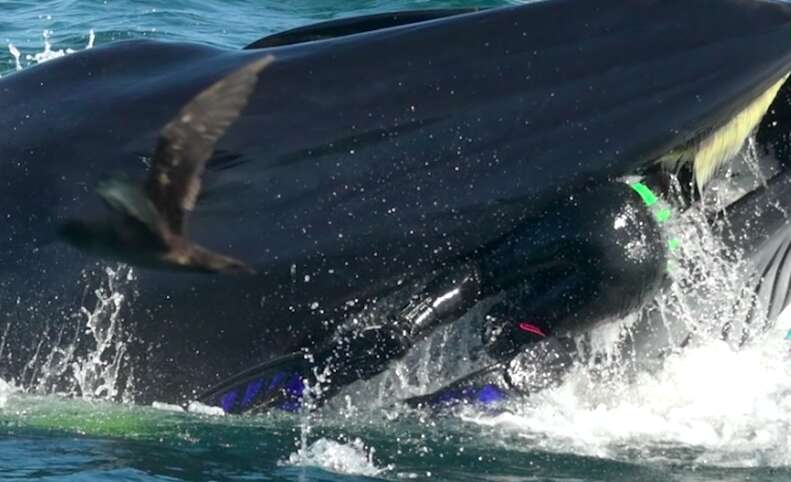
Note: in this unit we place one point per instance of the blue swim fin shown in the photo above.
(488, 385)
(279, 384)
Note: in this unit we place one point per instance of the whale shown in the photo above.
(369, 157)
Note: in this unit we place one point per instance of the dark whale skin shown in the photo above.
(361, 163)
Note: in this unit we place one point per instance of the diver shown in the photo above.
(581, 259)
(594, 255)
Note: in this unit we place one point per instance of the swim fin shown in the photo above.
(281, 383)
(485, 386)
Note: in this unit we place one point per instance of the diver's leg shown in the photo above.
(362, 354)
(349, 356)
(488, 385)
(442, 301)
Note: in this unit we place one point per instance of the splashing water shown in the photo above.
(87, 359)
(97, 373)
(48, 53)
(16, 54)
(707, 402)
(6, 389)
(352, 458)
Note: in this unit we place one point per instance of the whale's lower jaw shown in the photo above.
(773, 293)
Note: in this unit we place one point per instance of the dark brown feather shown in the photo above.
(187, 142)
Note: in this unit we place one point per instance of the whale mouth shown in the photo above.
(710, 151)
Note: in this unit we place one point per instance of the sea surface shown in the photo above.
(711, 411)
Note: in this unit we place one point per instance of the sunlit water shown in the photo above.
(710, 411)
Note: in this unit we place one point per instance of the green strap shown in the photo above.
(663, 215)
(650, 199)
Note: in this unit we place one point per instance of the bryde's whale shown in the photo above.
(367, 160)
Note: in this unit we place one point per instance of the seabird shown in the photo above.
(149, 222)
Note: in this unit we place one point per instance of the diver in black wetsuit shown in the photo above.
(584, 258)
(597, 255)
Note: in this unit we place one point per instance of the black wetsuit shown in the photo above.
(596, 255)
(582, 259)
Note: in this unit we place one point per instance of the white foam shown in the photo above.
(343, 458)
(201, 409)
(729, 407)
(784, 321)
(167, 407)
(6, 389)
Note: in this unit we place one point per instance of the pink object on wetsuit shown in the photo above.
(531, 329)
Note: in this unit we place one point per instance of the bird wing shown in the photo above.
(187, 142)
(129, 200)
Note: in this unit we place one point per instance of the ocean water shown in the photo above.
(710, 411)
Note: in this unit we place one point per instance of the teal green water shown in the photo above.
(682, 424)
(53, 439)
